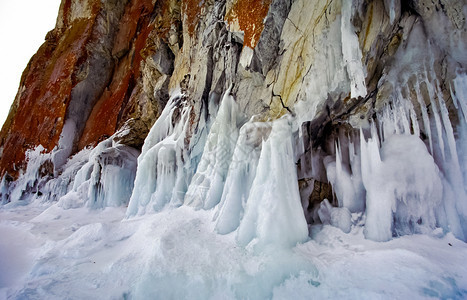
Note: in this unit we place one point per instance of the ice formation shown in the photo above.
(162, 177)
(403, 187)
(207, 185)
(351, 53)
(336, 216)
(410, 186)
(273, 212)
(241, 174)
(108, 176)
(250, 169)
(97, 178)
(30, 179)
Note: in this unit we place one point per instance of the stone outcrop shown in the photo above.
(110, 66)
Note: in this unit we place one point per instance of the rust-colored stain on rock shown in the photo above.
(44, 97)
(191, 9)
(249, 16)
(103, 118)
(133, 32)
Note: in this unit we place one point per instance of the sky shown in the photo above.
(23, 26)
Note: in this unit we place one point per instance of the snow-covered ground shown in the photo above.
(47, 252)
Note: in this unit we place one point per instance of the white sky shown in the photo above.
(23, 26)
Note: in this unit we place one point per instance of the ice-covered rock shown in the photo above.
(273, 213)
(241, 174)
(205, 190)
(339, 217)
(160, 177)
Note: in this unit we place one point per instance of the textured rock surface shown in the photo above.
(111, 66)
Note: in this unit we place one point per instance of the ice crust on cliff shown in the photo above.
(259, 183)
(351, 53)
(206, 187)
(273, 212)
(161, 174)
(409, 186)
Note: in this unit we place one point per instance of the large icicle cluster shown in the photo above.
(97, 178)
(164, 165)
(205, 190)
(106, 179)
(406, 185)
(247, 173)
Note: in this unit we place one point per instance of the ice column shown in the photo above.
(403, 185)
(206, 187)
(273, 212)
(346, 179)
(160, 177)
(351, 52)
(241, 174)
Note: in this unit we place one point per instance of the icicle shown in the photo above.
(426, 119)
(206, 188)
(462, 147)
(455, 175)
(439, 129)
(273, 213)
(414, 125)
(4, 187)
(392, 11)
(346, 183)
(25, 187)
(451, 142)
(378, 207)
(351, 53)
(460, 95)
(241, 174)
(162, 162)
(401, 117)
(339, 177)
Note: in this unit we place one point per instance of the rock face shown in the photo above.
(338, 68)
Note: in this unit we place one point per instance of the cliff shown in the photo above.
(311, 90)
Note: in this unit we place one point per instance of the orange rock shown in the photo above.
(249, 16)
(43, 97)
(133, 33)
(191, 10)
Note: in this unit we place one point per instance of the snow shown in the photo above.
(15, 255)
(78, 253)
